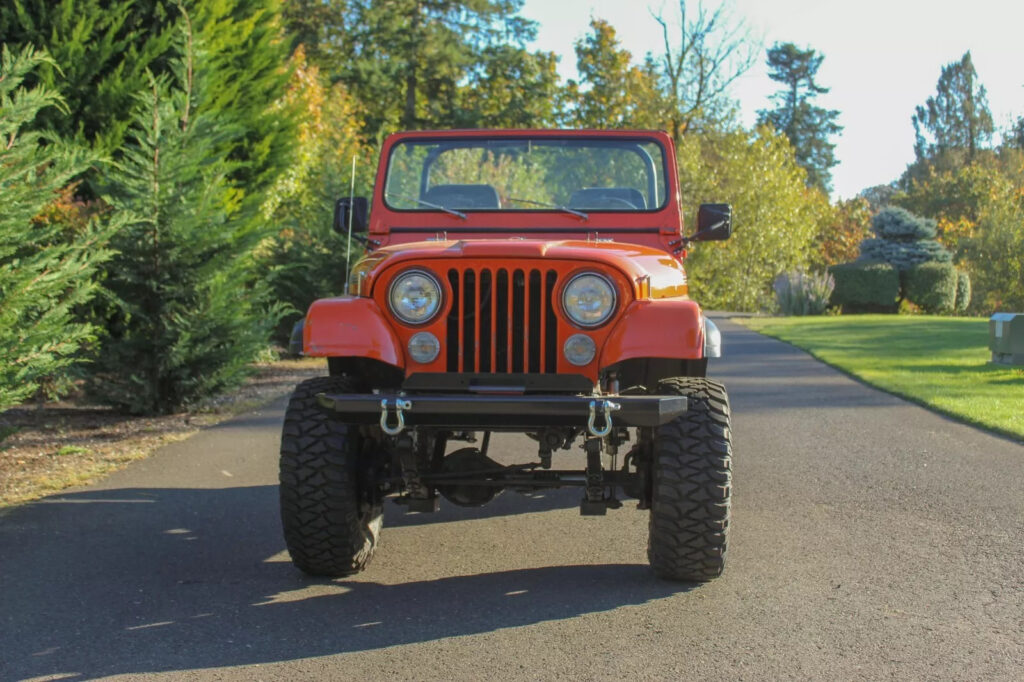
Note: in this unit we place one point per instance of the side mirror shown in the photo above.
(358, 208)
(714, 223)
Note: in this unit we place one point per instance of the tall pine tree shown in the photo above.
(808, 127)
(409, 61)
(190, 313)
(956, 122)
(44, 274)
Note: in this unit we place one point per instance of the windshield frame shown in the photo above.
(631, 143)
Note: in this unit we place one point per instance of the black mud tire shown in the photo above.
(691, 484)
(330, 528)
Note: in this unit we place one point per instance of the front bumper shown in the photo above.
(504, 412)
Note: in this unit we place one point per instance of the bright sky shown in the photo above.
(882, 59)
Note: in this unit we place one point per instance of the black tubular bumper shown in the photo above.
(503, 412)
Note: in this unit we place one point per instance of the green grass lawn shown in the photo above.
(940, 362)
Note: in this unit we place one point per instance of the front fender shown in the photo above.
(660, 328)
(350, 327)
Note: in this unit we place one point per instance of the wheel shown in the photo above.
(691, 484)
(331, 527)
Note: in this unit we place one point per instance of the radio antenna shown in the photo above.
(351, 194)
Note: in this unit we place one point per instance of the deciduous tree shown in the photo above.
(776, 216)
(696, 70)
(612, 92)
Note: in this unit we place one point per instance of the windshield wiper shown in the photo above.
(578, 214)
(428, 204)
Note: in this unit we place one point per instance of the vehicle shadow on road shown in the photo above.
(156, 580)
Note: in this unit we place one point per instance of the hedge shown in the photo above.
(865, 287)
(932, 287)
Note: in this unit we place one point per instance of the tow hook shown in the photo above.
(400, 405)
(606, 407)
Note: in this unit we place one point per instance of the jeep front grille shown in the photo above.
(502, 320)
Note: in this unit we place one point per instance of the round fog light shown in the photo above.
(579, 349)
(424, 347)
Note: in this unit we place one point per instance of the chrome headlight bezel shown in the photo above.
(431, 311)
(606, 314)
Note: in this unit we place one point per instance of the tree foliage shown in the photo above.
(188, 314)
(839, 239)
(512, 88)
(100, 55)
(979, 209)
(993, 252)
(411, 61)
(955, 124)
(695, 72)
(45, 272)
(808, 127)
(305, 259)
(903, 240)
(613, 92)
(243, 61)
(776, 216)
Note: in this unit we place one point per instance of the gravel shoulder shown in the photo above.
(73, 443)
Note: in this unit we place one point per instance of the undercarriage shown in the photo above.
(344, 451)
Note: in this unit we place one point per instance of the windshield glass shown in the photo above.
(526, 174)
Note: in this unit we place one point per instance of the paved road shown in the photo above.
(872, 540)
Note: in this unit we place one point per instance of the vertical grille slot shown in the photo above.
(501, 334)
(485, 317)
(518, 319)
(550, 324)
(502, 321)
(454, 316)
(535, 335)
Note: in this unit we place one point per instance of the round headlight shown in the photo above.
(589, 299)
(415, 297)
(579, 349)
(424, 347)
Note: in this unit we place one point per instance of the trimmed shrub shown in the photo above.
(800, 293)
(900, 224)
(932, 287)
(963, 291)
(903, 255)
(863, 287)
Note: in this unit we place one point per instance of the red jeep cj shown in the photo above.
(515, 281)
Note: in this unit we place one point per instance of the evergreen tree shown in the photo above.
(44, 274)
(903, 240)
(408, 61)
(100, 54)
(808, 127)
(104, 53)
(954, 125)
(190, 312)
(511, 88)
(1015, 138)
(319, 26)
(244, 65)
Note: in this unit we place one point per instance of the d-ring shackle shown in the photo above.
(606, 407)
(400, 405)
